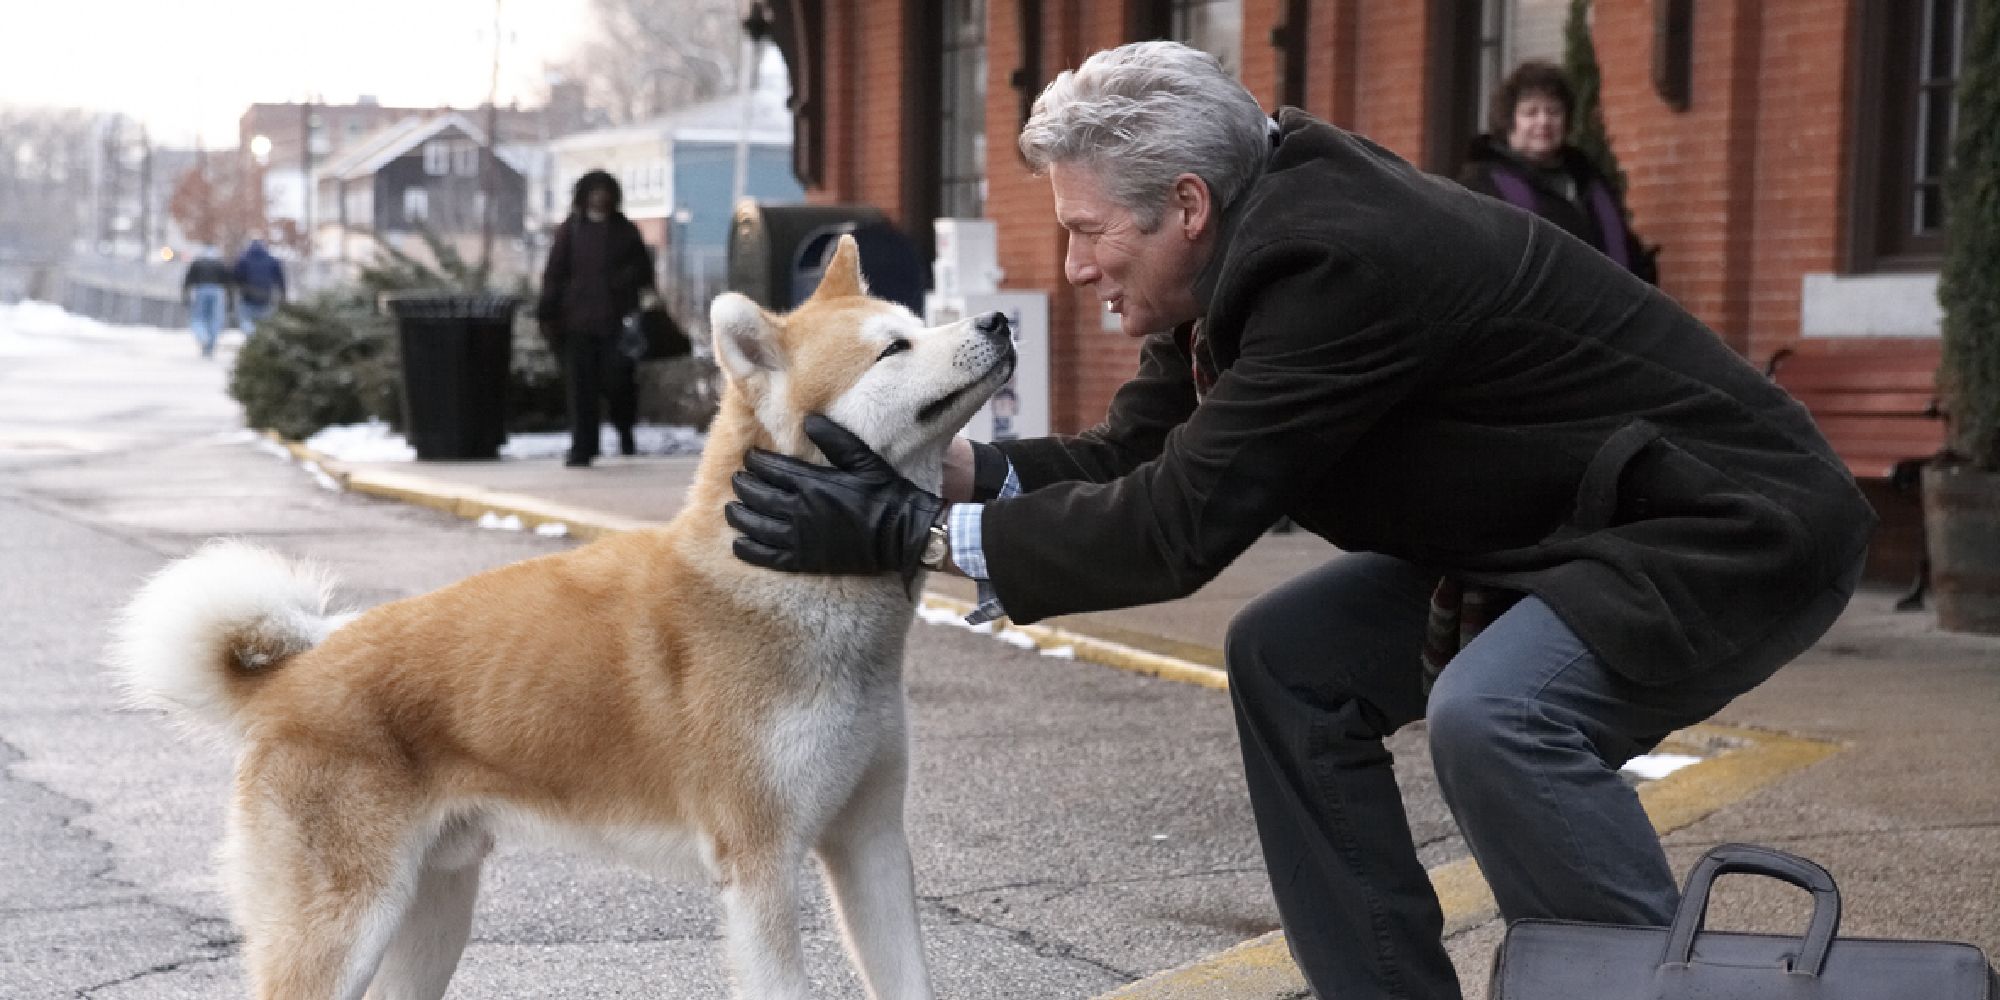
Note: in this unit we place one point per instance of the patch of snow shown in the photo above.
(495, 522)
(373, 441)
(1654, 766)
(552, 529)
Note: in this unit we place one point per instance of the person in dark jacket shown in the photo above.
(205, 291)
(1525, 159)
(1468, 402)
(260, 284)
(597, 268)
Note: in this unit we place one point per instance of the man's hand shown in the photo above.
(859, 516)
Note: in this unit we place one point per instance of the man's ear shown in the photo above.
(1190, 206)
(745, 336)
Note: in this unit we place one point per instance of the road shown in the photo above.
(1075, 827)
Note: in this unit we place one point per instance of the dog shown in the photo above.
(648, 695)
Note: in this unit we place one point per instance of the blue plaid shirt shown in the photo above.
(968, 551)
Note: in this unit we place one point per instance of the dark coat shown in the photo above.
(1570, 210)
(595, 273)
(1411, 369)
(259, 275)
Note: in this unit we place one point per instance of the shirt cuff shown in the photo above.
(968, 548)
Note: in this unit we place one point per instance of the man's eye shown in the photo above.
(897, 346)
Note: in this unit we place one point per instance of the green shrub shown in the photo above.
(328, 359)
(1968, 287)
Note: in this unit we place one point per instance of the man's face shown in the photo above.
(1145, 278)
(598, 201)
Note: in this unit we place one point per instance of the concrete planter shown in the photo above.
(1962, 525)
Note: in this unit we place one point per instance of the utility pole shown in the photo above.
(145, 192)
(306, 176)
(488, 170)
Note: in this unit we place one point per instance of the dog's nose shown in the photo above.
(994, 325)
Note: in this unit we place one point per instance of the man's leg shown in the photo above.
(1320, 670)
(1528, 730)
(621, 391)
(585, 373)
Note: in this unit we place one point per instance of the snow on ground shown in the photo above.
(42, 329)
(376, 442)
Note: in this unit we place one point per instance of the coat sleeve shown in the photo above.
(1325, 350)
(1158, 399)
(555, 278)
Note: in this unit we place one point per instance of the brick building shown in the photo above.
(1784, 152)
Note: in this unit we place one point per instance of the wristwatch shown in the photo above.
(937, 546)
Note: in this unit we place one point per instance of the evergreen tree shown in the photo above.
(1968, 286)
(1586, 130)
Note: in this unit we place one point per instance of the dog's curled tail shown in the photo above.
(199, 632)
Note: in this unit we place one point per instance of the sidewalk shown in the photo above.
(1877, 754)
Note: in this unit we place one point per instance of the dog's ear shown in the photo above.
(746, 338)
(843, 272)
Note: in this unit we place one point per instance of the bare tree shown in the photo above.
(47, 156)
(647, 57)
(217, 201)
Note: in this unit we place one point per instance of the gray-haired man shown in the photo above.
(1469, 403)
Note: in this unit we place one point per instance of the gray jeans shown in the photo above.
(1527, 732)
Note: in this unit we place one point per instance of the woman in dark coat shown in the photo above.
(1524, 160)
(597, 268)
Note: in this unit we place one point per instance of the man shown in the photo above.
(1465, 400)
(260, 285)
(598, 266)
(205, 291)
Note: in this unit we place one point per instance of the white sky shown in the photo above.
(189, 69)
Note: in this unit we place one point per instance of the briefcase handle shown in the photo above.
(1753, 860)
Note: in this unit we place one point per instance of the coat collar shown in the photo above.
(1225, 233)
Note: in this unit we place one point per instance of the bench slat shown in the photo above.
(1874, 402)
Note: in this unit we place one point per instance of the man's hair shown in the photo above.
(1532, 77)
(591, 181)
(1145, 113)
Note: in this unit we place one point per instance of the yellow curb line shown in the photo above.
(469, 503)
(1048, 638)
(1262, 968)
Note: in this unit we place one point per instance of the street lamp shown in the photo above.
(260, 149)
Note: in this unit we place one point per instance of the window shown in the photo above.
(437, 158)
(465, 156)
(416, 205)
(1910, 59)
(962, 126)
(1474, 46)
(1213, 26)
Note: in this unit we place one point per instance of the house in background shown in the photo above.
(420, 173)
(678, 171)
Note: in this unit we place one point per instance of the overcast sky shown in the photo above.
(188, 69)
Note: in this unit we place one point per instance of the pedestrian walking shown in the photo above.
(1487, 416)
(598, 265)
(205, 291)
(260, 285)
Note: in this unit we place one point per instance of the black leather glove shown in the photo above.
(859, 516)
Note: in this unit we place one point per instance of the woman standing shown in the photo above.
(597, 268)
(1524, 160)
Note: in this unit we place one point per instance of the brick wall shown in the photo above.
(1745, 188)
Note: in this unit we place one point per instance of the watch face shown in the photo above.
(935, 548)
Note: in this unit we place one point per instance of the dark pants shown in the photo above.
(1527, 732)
(596, 367)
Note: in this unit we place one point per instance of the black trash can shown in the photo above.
(456, 351)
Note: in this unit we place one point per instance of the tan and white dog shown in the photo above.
(648, 695)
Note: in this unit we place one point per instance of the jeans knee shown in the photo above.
(1467, 731)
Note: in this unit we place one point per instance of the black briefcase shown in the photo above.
(1562, 960)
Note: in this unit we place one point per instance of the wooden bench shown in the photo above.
(1876, 402)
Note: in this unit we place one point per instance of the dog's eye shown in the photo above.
(897, 346)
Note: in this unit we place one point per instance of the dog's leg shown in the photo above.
(866, 855)
(316, 893)
(432, 936)
(761, 926)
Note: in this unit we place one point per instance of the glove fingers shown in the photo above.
(759, 554)
(763, 497)
(768, 531)
(778, 470)
(842, 447)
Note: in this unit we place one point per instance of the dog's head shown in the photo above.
(869, 364)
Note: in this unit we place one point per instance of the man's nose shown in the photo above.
(994, 326)
(1078, 270)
